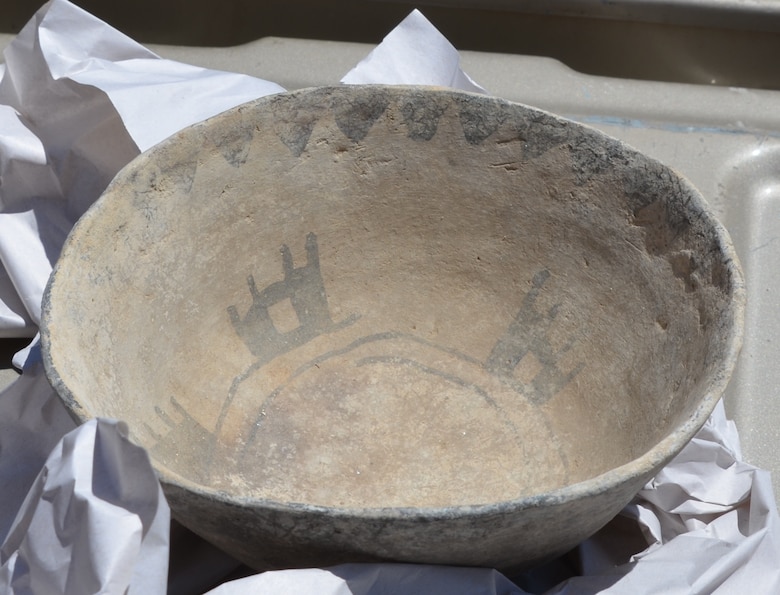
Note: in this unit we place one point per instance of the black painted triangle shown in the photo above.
(479, 119)
(295, 135)
(356, 114)
(421, 113)
(234, 143)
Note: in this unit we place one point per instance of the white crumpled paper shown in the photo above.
(80, 510)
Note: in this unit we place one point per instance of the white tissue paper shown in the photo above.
(94, 520)
(414, 53)
(80, 508)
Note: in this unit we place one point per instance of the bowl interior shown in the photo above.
(392, 297)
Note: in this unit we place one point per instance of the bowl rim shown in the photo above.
(641, 467)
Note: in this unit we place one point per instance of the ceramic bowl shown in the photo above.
(396, 323)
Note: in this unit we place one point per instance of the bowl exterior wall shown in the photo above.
(508, 538)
